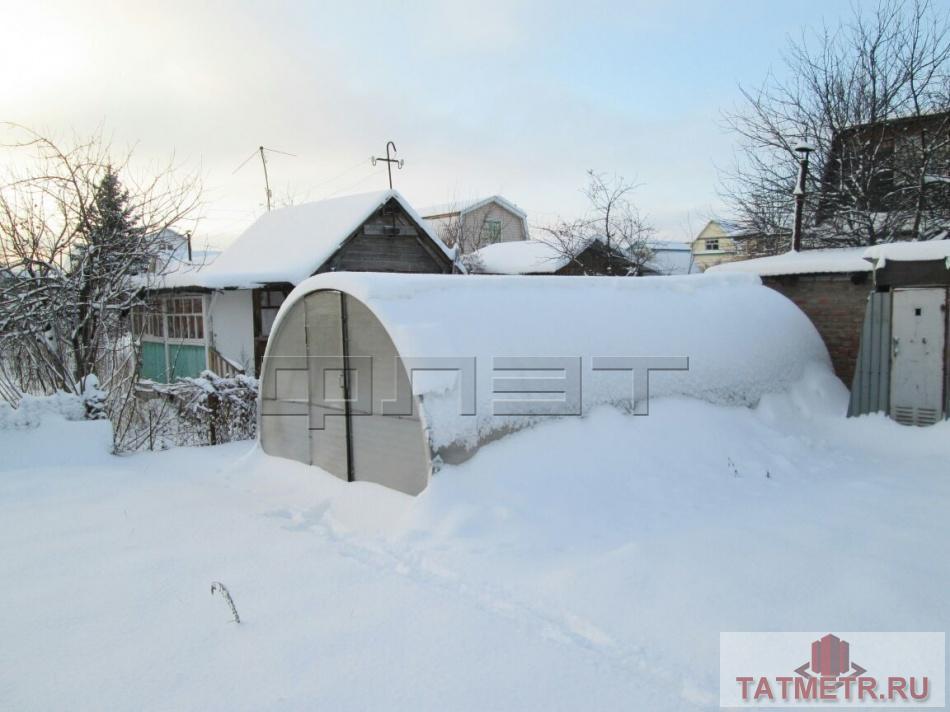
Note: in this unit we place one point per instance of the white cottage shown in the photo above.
(219, 316)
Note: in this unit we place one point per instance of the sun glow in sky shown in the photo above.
(480, 98)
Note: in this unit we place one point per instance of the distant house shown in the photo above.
(539, 257)
(671, 258)
(716, 244)
(473, 224)
(721, 241)
(892, 173)
(177, 253)
(220, 315)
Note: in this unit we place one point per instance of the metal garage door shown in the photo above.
(918, 329)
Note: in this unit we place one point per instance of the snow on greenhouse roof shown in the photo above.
(825, 261)
(719, 323)
(289, 244)
(908, 251)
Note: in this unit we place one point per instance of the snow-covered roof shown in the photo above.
(534, 256)
(729, 228)
(908, 251)
(733, 229)
(742, 339)
(670, 245)
(460, 207)
(521, 257)
(289, 244)
(824, 261)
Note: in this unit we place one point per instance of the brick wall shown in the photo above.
(835, 304)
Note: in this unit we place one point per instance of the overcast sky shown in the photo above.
(486, 97)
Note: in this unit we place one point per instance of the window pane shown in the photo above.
(267, 320)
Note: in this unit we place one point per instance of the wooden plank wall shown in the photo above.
(389, 241)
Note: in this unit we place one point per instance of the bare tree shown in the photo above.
(80, 238)
(870, 96)
(613, 220)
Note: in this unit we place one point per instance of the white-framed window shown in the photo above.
(148, 320)
(712, 245)
(491, 231)
(177, 318)
(185, 318)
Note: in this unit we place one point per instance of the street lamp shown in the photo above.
(802, 148)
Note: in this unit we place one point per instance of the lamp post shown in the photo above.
(802, 149)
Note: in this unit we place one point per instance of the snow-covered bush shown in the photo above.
(218, 408)
(208, 410)
(32, 410)
(94, 399)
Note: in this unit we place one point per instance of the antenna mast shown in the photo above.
(266, 179)
(261, 150)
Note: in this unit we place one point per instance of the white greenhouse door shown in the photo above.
(328, 429)
(918, 328)
(390, 450)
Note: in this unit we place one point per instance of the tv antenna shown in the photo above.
(389, 160)
(261, 150)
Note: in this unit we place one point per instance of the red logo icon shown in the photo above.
(831, 657)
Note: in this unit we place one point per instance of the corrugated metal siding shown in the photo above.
(870, 391)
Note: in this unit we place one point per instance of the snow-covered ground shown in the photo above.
(583, 564)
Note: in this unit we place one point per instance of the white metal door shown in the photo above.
(918, 328)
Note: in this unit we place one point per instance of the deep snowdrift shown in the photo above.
(583, 564)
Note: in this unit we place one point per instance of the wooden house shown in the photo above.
(722, 241)
(472, 224)
(894, 167)
(219, 316)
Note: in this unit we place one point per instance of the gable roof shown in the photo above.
(290, 244)
(461, 207)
